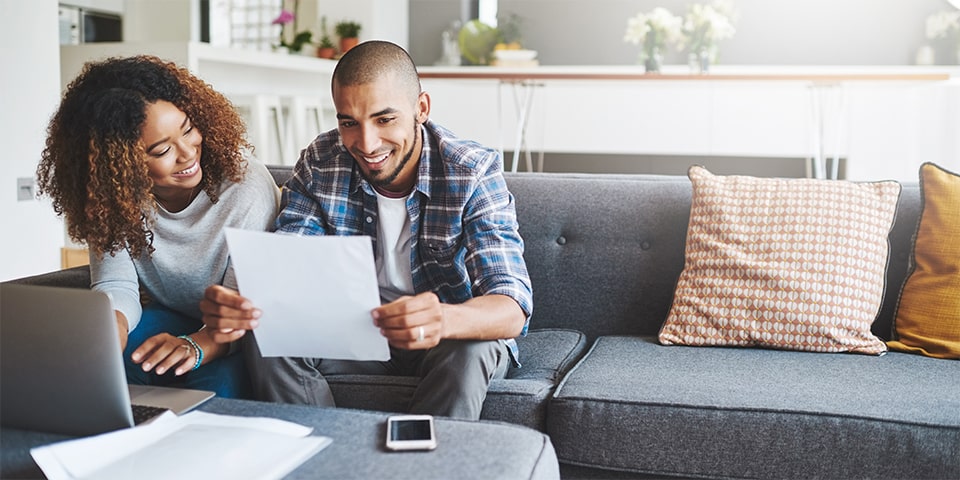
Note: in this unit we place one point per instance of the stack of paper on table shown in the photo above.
(195, 445)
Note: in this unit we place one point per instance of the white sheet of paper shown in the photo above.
(195, 445)
(315, 292)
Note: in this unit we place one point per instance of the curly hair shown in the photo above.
(94, 167)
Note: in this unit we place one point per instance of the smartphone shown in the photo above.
(411, 432)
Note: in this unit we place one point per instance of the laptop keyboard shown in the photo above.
(142, 413)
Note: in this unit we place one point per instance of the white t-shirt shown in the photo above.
(393, 248)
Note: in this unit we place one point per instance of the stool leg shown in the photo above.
(280, 134)
(317, 117)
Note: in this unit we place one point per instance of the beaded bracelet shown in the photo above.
(196, 348)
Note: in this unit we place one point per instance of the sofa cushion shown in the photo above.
(521, 398)
(633, 405)
(928, 313)
(795, 264)
(603, 250)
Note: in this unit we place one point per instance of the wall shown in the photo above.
(428, 20)
(31, 236)
(791, 32)
(161, 20)
(379, 19)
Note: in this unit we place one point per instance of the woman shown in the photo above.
(147, 164)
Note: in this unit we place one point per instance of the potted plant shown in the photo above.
(510, 27)
(301, 38)
(325, 49)
(349, 33)
(301, 41)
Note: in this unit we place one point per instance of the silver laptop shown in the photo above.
(61, 368)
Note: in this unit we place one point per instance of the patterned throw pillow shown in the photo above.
(928, 310)
(794, 264)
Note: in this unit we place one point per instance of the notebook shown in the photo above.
(61, 368)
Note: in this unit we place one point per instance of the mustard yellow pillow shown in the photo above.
(928, 311)
(796, 264)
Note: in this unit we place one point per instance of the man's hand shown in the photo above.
(411, 323)
(227, 314)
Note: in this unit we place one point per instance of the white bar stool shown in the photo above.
(304, 120)
(266, 127)
(523, 105)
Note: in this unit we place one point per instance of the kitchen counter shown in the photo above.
(825, 74)
(883, 120)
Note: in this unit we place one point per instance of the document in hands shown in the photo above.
(315, 294)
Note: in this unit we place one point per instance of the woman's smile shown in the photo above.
(188, 172)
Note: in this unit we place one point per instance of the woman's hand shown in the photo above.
(122, 329)
(164, 352)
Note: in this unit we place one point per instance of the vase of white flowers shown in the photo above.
(703, 27)
(654, 30)
(945, 25)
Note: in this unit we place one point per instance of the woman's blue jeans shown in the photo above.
(226, 376)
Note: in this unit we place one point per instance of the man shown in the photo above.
(452, 279)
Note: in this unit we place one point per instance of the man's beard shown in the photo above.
(384, 181)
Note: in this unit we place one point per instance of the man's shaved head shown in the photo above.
(374, 60)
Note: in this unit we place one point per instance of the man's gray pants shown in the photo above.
(454, 375)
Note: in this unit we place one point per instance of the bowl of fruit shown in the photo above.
(513, 52)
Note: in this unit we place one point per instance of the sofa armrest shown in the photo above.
(76, 277)
(548, 353)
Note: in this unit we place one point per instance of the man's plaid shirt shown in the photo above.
(465, 239)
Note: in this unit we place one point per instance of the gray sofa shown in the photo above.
(604, 254)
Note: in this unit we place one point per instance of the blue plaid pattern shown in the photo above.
(465, 239)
